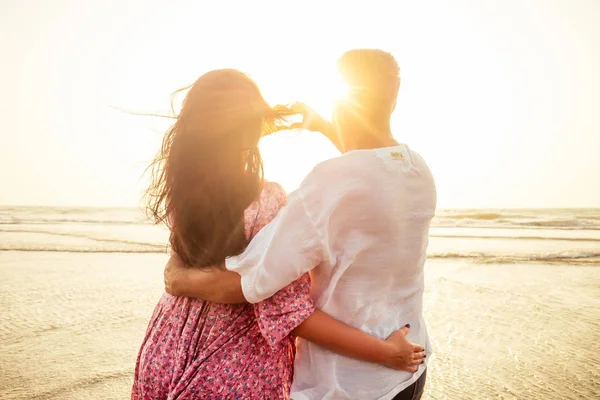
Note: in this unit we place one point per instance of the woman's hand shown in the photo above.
(311, 121)
(277, 120)
(402, 354)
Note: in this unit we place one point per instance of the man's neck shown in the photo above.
(364, 138)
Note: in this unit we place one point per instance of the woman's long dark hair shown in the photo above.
(209, 168)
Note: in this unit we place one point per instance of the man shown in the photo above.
(359, 223)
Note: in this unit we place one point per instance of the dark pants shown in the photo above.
(414, 391)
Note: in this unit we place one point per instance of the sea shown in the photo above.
(512, 302)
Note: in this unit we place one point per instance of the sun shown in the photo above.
(323, 94)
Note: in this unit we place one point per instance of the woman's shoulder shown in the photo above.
(273, 192)
(261, 212)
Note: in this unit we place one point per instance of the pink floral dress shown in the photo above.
(194, 349)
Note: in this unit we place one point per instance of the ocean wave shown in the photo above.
(58, 249)
(84, 236)
(575, 223)
(483, 221)
(59, 221)
(578, 257)
(582, 257)
(583, 219)
(65, 215)
(477, 215)
(500, 224)
(570, 239)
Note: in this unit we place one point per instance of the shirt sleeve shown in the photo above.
(280, 253)
(280, 314)
(292, 244)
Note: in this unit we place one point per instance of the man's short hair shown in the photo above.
(371, 74)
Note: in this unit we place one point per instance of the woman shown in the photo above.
(207, 185)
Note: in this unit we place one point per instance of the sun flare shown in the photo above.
(319, 91)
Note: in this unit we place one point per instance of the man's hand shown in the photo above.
(214, 284)
(177, 278)
(311, 120)
(403, 355)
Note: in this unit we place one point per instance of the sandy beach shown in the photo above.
(499, 331)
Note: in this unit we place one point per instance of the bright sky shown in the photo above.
(502, 98)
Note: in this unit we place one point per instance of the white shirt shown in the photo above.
(360, 224)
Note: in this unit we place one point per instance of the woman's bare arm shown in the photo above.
(396, 352)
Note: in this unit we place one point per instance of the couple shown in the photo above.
(338, 265)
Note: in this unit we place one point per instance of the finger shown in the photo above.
(418, 356)
(418, 348)
(277, 129)
(416, 362)
(299, 107)
(410, 369)
(297, 125)
(405, 329)
(282, 108)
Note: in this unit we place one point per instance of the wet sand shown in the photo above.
(71, 325)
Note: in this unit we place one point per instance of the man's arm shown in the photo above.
(320, 328)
